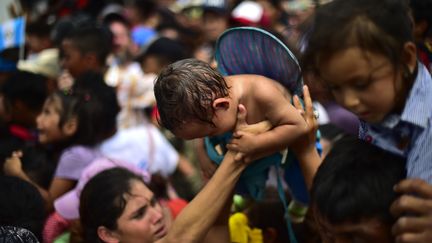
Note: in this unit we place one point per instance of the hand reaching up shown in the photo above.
(306, 142)
(305, 148)
(242, 128)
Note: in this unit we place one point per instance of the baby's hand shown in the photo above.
(13, 165)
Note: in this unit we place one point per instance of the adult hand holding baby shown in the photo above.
(243, 141)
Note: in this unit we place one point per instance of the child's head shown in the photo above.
(116, 204)
(353, 190)
(23, 95)
(139, 11)
(85, 115)
(38, 36)
(21, 205)
(86, 49)
(268, 215)
(363, 51)
(191, 97)
(120, 28)
(215, 19)
(160, 54)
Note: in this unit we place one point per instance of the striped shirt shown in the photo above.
(408, 134)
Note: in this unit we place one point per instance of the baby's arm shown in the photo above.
(288, 124)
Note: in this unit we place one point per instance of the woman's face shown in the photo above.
(142, 219)
(364, 83)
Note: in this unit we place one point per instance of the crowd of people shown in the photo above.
(110, 111)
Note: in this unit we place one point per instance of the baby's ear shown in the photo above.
(70, 127)
(221, 103)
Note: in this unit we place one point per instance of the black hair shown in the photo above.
(93, 103)
(115, 17)
(378, 26)
(146, 8)
(166, 51)
(21, 205)
(103, 201)
(27, 87)
(355, 181)
(64, 26)
(92, 39)
(269, 214)
(39, 28)
(185, 90)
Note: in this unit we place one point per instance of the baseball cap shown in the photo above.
(248, 13)
(46, 64)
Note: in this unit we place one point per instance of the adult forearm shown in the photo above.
(309, 163)
(197, 218)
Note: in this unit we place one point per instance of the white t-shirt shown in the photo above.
(145, 146)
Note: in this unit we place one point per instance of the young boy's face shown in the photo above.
(200, 129)
(72, 60)
(214, 25)
(365, 231)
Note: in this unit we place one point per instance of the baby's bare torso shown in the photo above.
(246, 90)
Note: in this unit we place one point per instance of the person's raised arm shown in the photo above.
(193, 223)
(287, 123)
(305, 148)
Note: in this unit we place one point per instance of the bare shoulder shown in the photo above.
(250, 78)
(258, 87)
(268, 88)
(254, 81)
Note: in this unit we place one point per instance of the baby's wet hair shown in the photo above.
(185, 90)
